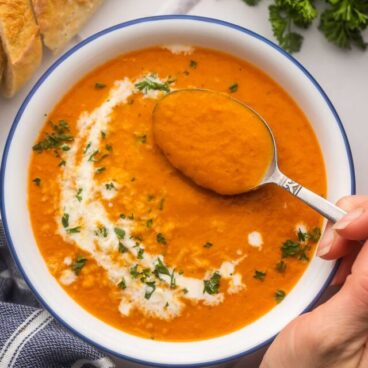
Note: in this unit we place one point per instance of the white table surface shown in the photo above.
(342, 74)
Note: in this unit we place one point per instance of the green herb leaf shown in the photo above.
(280, 295)
(193, 64)
(122, 284)
(233, 88)
(259, 275)
(151, 287)
(343, 22)
(122, 248)
(314, 235)
(108, 147)
(37, 181)
(73, 230)
(161, 204)
(207, 245)
(251, 2)
(161, 239)
(134, 271)
(140, 253)
(212, 285)
(294, 249)
(87, 148)
(100, 170)
(65, 220)
(110, 186)
(79, 194)
(281, 266)
(100, 85)
(102, 231)
(120, 233)
(149, 223)
(55, 139)
(141, 138)
(161, 269)
(152, 83)
(78, 264)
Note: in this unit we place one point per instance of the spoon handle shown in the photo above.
(320, 204)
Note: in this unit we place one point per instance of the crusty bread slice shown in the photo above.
(21, 43)
(60, 20)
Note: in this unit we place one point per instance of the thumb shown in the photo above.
(354, 225)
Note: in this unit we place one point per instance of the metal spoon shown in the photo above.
(273, 174)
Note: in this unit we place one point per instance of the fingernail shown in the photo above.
(349, 218)
(326, 243)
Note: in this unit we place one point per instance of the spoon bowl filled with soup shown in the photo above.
(146, 262)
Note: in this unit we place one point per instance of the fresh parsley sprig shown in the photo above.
(342, 21)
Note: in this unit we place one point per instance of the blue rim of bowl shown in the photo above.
(72, 51)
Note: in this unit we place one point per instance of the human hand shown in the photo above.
(336, 333)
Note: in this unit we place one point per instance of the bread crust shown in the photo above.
(21, 44)
(60, 20)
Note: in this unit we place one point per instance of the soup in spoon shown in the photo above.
(213, 139)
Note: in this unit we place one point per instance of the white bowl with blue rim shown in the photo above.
(96, 50)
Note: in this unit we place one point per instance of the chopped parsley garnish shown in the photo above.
(233, 88)
(140, 253)
(212, 285)
(120, 233)
(141, 138)
(65, 148)
(259, 275)
(87, 148)
(149, 223)
(280, 295)
(37, 181)
(185, 291)
(150, 197)
(151, 287)
(161, 204)
(207, 245)
(161, 239)
(99, 85)
(122, 248)
(161, 269)
(54, 140)
(110, 186)
(281, 266)
(103, 134)
(314, 235)
(102, 231)
(122, 216)
(294, 249)
(74, 230)
(152, 83)
(108, 147)
(131, 216)
(93, 157)
(62, 163)
(79, 194)
(100, 170)
(193, 64)
(78, 264)
(122, 284)
(134, 271)
(65, 220)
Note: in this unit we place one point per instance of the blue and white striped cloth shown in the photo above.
(29, 336)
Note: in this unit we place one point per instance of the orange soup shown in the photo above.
(136, 243)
